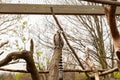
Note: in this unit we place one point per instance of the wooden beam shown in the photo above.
(58, 9)
(110, 2)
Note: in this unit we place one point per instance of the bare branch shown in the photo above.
(102, 72)
(22, 71)
(4, 43)
(109, 71)
(27, 56)
(1, 52)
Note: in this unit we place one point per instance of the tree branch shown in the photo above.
(109, 71)
(102, 72)
(3, 43)
(27, 56)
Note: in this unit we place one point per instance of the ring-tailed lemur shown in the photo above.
(58, 41)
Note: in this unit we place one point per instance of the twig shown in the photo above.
(1, 52)
(109, 71)
(22, 71)
(4, 43)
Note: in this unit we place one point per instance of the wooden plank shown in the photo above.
(58, 9)
(110, 2)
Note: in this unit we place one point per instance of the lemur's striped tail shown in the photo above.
(60, 69)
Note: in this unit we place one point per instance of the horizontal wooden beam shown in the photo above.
(110, 2)
(58, 9)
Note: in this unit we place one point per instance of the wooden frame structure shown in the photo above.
(58, 9)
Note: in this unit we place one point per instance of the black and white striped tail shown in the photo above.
(60, 69)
